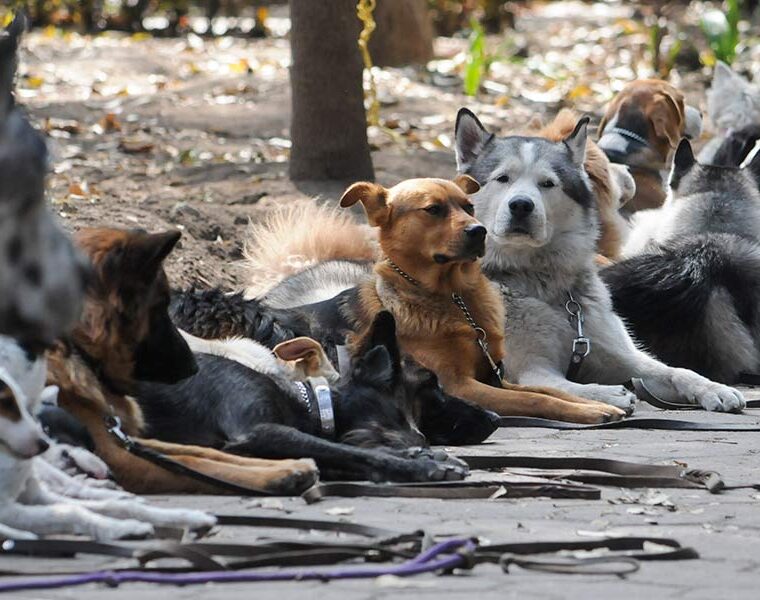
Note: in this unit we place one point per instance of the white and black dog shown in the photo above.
(690, 289)
(538, 206)
(36, 498)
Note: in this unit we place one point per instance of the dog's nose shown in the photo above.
(42, 445)
(521, 206)
(475, 232)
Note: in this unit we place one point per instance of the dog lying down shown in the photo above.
(245, 401)
(39, 499)
(537, 205)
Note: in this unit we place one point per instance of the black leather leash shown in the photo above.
(643, 393)
(629, 423)
(113, 425)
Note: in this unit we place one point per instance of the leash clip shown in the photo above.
(113, 426)
(581, 348)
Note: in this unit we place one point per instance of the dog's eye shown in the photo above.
(503, 179)
(469, 209)
(547, 183)
(434, 209)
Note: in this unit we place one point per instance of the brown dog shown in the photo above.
(642, 128)
(124, 336)
(430, 280)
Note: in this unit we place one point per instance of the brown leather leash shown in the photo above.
(453, 490)
(604, 471)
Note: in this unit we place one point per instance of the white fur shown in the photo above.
(259, 358)
(537, 272)
(38, 498)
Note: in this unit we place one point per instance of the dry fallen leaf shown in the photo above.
(136, 145)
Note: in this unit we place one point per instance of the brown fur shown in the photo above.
(430, 327)
(9, 408)
(606, 191)
(116, 320)
(299, 236)
(663, 107)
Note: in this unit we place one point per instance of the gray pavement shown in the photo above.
(724, 529)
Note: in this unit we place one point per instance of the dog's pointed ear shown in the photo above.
(466, 183)
(383, 333)
(470, 138)
(692, 122)
(724, 76)
(374, 198)
(296, 349)
(576, 141)
(375, 368)
(146, 253)
(9, 40)
(683, 161)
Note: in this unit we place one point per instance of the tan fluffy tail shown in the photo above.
(299, 236)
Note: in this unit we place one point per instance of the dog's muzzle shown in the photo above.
(475, 240)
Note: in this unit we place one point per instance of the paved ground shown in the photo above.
(724, 528)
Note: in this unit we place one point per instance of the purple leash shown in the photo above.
(443, 556)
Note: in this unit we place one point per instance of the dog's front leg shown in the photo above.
(622, 360)
(132, 508)
(517, 400)
(44, 513)
(545, 374)
(344, 461)
(678, 385)
(62, 483)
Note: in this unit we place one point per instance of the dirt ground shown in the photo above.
(193, 133)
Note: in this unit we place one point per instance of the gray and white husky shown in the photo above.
(691, 289)
(538, 206)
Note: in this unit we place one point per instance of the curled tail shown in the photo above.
(295, 238)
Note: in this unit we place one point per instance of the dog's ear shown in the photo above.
(145, 253)
(383, 333)
(308, 357)
(576, 141)
(466, 183)
(470, 138)
(623, 181)
(692, 123)
(665, 114)
(724, 78)
(373, 196)
(375, 368)
(9, 40)
(683, 161)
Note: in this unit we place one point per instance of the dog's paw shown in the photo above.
(721, 398)
(435, 454)
(594, 413)
(293, 478)
(125, 529)
(178, 517)
(614, 395)
(87, 463)
(449, 468)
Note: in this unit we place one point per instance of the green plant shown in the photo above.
(722, 31)
(477, 60)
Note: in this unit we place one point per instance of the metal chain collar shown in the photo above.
(482, 337)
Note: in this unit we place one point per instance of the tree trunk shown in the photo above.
(328, 128)
(404, 33)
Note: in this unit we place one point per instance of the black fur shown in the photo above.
(736, 147)
(663, 297)
(228, 406)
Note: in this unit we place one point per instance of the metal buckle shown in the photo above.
(581, 347)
